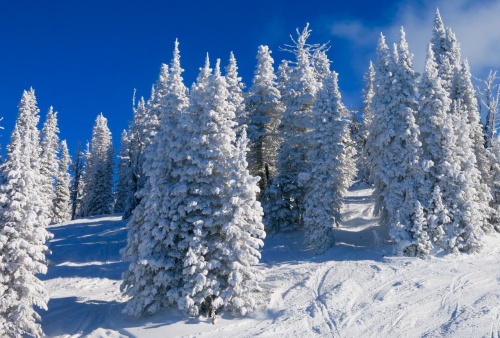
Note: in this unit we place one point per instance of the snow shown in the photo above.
(355, 289)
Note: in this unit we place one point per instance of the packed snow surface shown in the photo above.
(356, 289)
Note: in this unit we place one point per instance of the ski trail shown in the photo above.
(356, 289)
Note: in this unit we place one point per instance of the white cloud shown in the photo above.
(354, 31)
(475, 23)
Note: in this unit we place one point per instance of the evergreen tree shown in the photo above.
(241, 237)
(287, 196)
(77, 168)
(265, 109)
(82, 187)
(321, 65)
(48, 158)
(235, 87)
(450, 165)
(396, 151)
(412, 237)
(465, 94)
(154, 275)
(123, 185)
(140, 132)
(23, 218)
(446, 52)
(223, 216)
(154, 103)
(363, 162)
(98, 197)
(491, 102)
(61, 207)
(332, 166)
(494, 183)
(465, 98)
(378, 132)
(283, 75)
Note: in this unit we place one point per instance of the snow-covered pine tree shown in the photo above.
(463, 91)
(446, 52)
(285, 208)
(396, 150)
(283, 76)
(363, 162)
(412, 238)
(468, 195)
(491, 100)
(48, 158)
(77, 168)
(450, 167)
(265, 109)
(191, 193)
(82, 186)
(321, 65)
(332, 166)
(23, 220)
(61, 208)
(98, 197)
(241, 237)
(464, 94)
(124, 176)
(378, 133)
(235, 87)
(154, 275)
(494, 183)
(223, 216)
(140, 132)
(155, 101)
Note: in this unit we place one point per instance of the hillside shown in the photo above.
(356, 289)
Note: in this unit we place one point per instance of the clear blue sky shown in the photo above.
(86, 57)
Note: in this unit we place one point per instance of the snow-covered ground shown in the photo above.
(356, 289)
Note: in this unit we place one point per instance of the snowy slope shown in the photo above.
(356, 289)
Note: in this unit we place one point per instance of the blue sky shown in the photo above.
(86, 57)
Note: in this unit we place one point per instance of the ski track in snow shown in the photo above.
(356, 289)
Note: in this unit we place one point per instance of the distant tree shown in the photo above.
(48, 158)
(363, 162)
(23, 219)
(494, 182)
(124, 175)
(265, 109)
(490, 100)
(140, 136)
(61, 208)
(77, 169)
(98, 197)
(332, 166)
